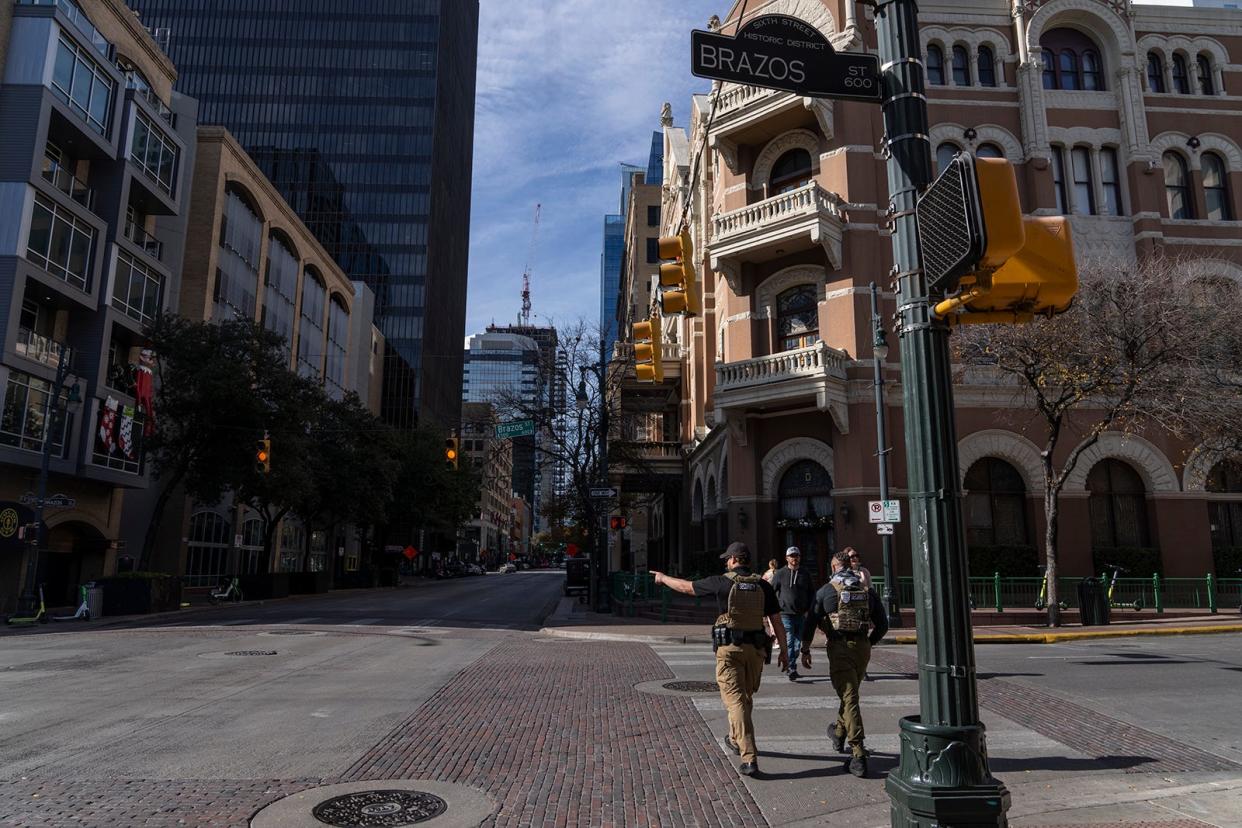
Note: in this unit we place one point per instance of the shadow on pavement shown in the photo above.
(1066, 763)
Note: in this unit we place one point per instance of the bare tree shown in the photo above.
(1144, 346)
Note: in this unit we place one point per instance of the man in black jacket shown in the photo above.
(795, 592)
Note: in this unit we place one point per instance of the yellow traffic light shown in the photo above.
(263, 456)
(679, 293)
(450, 452)
(647, 364)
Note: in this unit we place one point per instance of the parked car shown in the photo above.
(507, 567)
(455, 569)
(474, 569)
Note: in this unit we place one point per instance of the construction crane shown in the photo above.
(530, 259)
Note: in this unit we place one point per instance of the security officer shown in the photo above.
(743, 599)
(855, 622)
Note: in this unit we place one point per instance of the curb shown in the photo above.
(1053, 638)
(640, 639)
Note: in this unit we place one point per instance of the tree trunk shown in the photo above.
(157, 517)
(1051, 516)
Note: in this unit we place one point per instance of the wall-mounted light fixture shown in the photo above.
(1193, 142)
(970, 133)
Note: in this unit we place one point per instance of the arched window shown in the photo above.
(1155, 72)
(237, 261)
(806, 512)
(1067, 70)
(281, 295)
(1225, 515)
(1110, 177)
(696, 516)
(1177, 187)
(1092, 74)
(791, 170)
(961, 66)
(945, 153)
(935, 65)
(252, 546)
(797, 318)
(1058, 180)
(995, 504)
(1206, 84)
(1118, 505)
(292, 544)
(987, 66)
(207, 554)
(310, 333)
(1049, 61)
(1216, 187)
(1181, 77)
(990, 150)
(1084, 186)
(710, 537)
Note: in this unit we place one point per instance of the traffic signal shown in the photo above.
(616, 522)
(992, 263)
(678, 291)
(450, 452)
(647, 363)
(263, 456)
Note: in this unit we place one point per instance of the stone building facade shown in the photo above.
(1124, 117)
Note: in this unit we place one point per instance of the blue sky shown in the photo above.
(567, 90)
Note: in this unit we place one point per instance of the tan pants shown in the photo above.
(847, 665)
(738, 670)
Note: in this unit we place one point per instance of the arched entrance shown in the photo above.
(806, 512)
(74, 555)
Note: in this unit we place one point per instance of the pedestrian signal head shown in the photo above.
(616, 523)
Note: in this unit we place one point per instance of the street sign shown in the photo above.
(516, 428)
(56, 501)
(777, 51)
(884, 528)
(603, 493)
(884, 511)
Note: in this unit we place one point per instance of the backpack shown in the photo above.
(853, 613)
(745, 610)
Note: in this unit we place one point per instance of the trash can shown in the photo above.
(1092, 602)
(94, 599)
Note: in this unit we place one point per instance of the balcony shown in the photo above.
(79, 18)
(39, 348)
(775, 227)
(754, 116)
(645, 457)
(812, 374)
(69, 184)
(149, 244)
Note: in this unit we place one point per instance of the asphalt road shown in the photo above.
(286, 689)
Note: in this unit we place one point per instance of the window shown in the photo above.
(1118, 506)
(1206, 84)
(995, 504)
(1049, 61)
(27, 411)
(1092, 76)
(83, 84)
(1225, 516)
(1058, 180)
(1110, 177)
(987, 66)
(60, 243)
(137, 289)
(935, 65)
(961, 66)
(945, 153)
(1177, 187)
(310, 338)
(153, 152)
(653, 251)
(124, 451)
(1216, 187)
(251, 550)
(653, 216)
(797, 318)
(1067, 70)
(1181, 77)
(806, 512)
(1084, 188)
(207, 555)
(237, 271)
(338, 339)
(292, 542)
(1071, 60)
(791, 170)
(1155, 72)
(989, 151)
(280, 295)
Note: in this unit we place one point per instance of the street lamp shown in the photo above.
(879, 350)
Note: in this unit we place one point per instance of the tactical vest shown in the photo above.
(745, 612)
(853, 613)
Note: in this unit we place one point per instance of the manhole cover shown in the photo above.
(387, 809)
(692, 686)
(252, 652)
(290, 632)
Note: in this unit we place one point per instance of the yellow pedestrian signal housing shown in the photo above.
(990, 262)
(679, 293)
(647, 364)
(263, 456)
(616, 523)
(450, 452)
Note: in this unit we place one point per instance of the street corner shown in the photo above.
(379, 802)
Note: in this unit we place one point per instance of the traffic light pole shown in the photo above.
(943, 776)
(891, 596)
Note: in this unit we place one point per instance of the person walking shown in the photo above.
(795, 592)
(856, 565)
(855, 623)
(743, 600)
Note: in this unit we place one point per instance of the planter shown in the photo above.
(309, 583)
(140, 595)
(264, 586)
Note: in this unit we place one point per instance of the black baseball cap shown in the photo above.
(737, 549)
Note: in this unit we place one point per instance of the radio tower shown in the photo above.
(524, 318)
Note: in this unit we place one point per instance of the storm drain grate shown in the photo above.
(252, 653)
(692, 686)
(379, 809)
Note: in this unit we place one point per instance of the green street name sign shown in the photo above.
(517, 428)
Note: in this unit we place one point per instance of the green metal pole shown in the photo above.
(943, 776)
(1211, 594)
(996, 592)
(1155, 589)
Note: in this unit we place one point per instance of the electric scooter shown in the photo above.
(83, 613)
(40, 616)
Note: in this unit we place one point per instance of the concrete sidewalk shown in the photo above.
(573, 620)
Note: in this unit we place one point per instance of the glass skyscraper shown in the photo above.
(362, 114)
